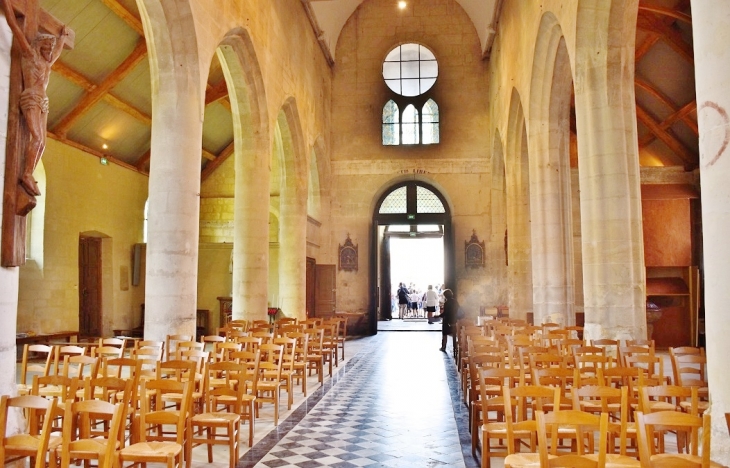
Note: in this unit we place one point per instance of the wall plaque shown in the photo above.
(474, 252)
(348, 256)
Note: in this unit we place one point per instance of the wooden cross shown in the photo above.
(17, 201)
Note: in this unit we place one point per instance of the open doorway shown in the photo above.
(412, 243)
(418, 263)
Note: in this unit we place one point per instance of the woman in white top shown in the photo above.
(432, 300)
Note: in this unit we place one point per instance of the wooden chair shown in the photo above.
(120, 343)
(315, 360)
(148, 359)
(203, 428)
(287, 367)
(171, 342)
(28, 368)
(248, 378)
(152, 444)
(115, 390)
(268, 386)
(181, 371)
(301, 351)
(490, 384)
(522, 425)
(651, 364)
(209, 344)
(222, 351)
(37, 442)
(341, 334)
(160, 345)
(249, 343)
(653, 426)
(82, 442)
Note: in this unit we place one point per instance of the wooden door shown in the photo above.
(325, 290)
(311, 280)
(90, 286)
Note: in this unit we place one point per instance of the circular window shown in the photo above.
(410, 70)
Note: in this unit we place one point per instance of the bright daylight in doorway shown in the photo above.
(416, 261)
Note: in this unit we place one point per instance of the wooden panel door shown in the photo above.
(325, 290)
(89, 286)
(311, 280)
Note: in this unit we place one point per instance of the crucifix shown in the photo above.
(32, 57)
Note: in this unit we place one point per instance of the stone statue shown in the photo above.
(37, 59)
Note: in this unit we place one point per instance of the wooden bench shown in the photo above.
(46, 338)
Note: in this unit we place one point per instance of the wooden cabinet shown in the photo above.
(226, 310)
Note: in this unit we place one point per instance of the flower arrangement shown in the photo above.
(273, 311)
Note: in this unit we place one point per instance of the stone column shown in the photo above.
(712, 77)
(9, 277)
(613, 253)
(174, 214)
(251, 237)
(293, 249)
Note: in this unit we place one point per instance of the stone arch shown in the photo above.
(293, 208)
(178, 90)
(244, 80)
(518, 211)
(611, 225)
(550, 189)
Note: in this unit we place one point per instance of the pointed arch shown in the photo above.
(247, 94)
(550, 189)
(293, 209)
(518, 211)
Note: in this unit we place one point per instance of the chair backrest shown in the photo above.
(43, 368)
(39, 414)
(652, 364)
(248, 362)
(63, 388)
(271, 360)
(112, 390)
(80, 366)
(654, 425)
(690, 370)
(176, 369)
(116, 342)
(668, 397)
(63, 351)
(288, 353)
(222, 351)
(249, 343)
(210, 342)
(107, 352)
(529, 399)
(582, 422)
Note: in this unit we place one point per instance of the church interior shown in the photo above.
(215, 160)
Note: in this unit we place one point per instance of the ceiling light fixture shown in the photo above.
(402, 5)
(104, 146)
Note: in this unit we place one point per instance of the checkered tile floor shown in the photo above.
(395, 404)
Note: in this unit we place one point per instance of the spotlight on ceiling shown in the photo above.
(402, 5)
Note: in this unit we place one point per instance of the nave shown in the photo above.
(394, 403)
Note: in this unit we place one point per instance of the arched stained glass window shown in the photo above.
(395, 202)
(430, 123)
(410, 125)
(391, 120)
(428, 202)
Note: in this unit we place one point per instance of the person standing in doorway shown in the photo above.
(402, 300)
(448, 318)
(432, 300)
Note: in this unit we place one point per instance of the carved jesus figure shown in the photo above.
(37, 59)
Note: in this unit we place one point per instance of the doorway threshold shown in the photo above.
(417, 325)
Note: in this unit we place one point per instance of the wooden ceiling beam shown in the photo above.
(143, 160)
(677, 114)
(127, 16)
(220, 159)
(670, 12)
(93, 152)
(216, 92)
(207, 155)
(73, 76)
(646, 46)
(79, 80)
(675, 145)
(128, 108)
(91, 98)
(672, 37)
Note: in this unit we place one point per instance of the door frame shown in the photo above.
(378, 289)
